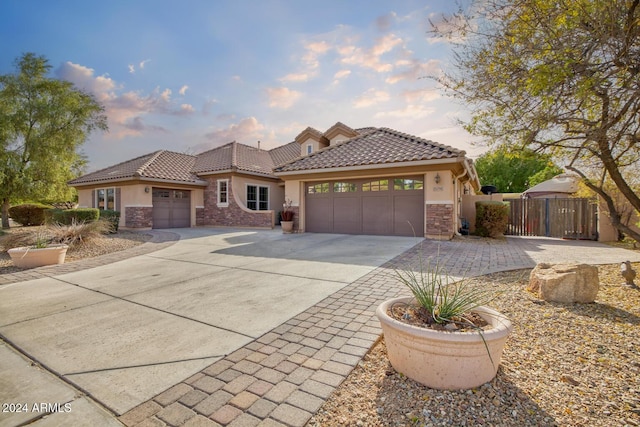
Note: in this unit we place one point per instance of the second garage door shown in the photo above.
(385, 206)
(171, 208)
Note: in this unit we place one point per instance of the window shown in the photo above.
(106, 198)
(309, 148)
(344, 187)
(223, 192)
(380, 185)
(318, 188)
(407, 184)
(257, 198)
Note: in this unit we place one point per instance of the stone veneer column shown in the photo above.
(138, 216)
(439, 221)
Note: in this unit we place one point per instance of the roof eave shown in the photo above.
(429, 162)
(137, 178)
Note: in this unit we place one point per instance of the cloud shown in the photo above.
(143, 63)
(371, 97)
(414, 70)
(420, 95)
(296, 77)
(370, 58)
(246, 131)
(410, 111)
(123, 109)
(137, 126)
(282, 97)
(340, 75)
(384, 22)
(183, 90)
(132, 69)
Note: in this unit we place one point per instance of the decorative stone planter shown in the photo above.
(287, 226)
(29, 257)
(441, 359)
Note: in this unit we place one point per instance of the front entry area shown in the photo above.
(379, 206)
(171, 208)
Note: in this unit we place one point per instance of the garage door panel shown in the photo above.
(376, 215)
(171, 208)
(407, 215)
(379, 206)
(319, 213)
(346, 215)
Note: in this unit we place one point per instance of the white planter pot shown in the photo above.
(441, 359)
(28, 257)
(287, 226)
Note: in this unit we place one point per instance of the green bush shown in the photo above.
(491, 218)
(113, 217)
(29, 213)
(69, 216)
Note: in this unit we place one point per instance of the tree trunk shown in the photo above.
(5, 212)
(614, 215)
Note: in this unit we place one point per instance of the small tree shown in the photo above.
(43, 123)
(514, 171)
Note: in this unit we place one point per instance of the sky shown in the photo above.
(193, 75)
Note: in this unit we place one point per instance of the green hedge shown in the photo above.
(68, 216)
(113, 217)
(491, 218)
(29, 213)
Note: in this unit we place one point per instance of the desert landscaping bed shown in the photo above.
(564, 365)
(110, 243)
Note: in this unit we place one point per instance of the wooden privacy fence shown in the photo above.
(562, 218)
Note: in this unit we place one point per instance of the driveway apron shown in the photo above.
(126, 331)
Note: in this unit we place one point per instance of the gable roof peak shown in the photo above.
(311, 133)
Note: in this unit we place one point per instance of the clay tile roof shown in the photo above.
(244, 158)
(215, 160)
(378, 146)
(285, 153)
(162, 164)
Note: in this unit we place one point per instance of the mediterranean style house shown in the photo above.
(344, 180)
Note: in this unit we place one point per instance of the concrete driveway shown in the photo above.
(126, 331)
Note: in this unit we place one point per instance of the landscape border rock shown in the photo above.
(565, 283)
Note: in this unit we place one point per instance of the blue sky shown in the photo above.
(192, 75)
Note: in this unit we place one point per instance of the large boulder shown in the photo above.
(567, 283)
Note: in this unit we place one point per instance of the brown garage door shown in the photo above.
(171, 208)
(384, 206)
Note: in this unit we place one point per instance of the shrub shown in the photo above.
(491, 218)
(29, 213)
(113, 217)
(69, 216)
(77, 232)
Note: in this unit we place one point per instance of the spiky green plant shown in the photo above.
(445, 299)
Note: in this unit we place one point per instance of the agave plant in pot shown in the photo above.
(444, 337)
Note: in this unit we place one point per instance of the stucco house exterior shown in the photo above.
(343, 180)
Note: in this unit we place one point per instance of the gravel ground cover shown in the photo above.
(564, 365)
(119, 241)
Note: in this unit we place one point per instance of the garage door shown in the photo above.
(171, 208)
(385, 206)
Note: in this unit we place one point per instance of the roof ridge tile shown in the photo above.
(146, 164)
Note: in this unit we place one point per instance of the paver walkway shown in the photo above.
(284, 377)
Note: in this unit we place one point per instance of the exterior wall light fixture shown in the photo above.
(437, 178)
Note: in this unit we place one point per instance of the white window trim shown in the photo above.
(309, 148)
(219, 203)
(258, 187)
(97, 202)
